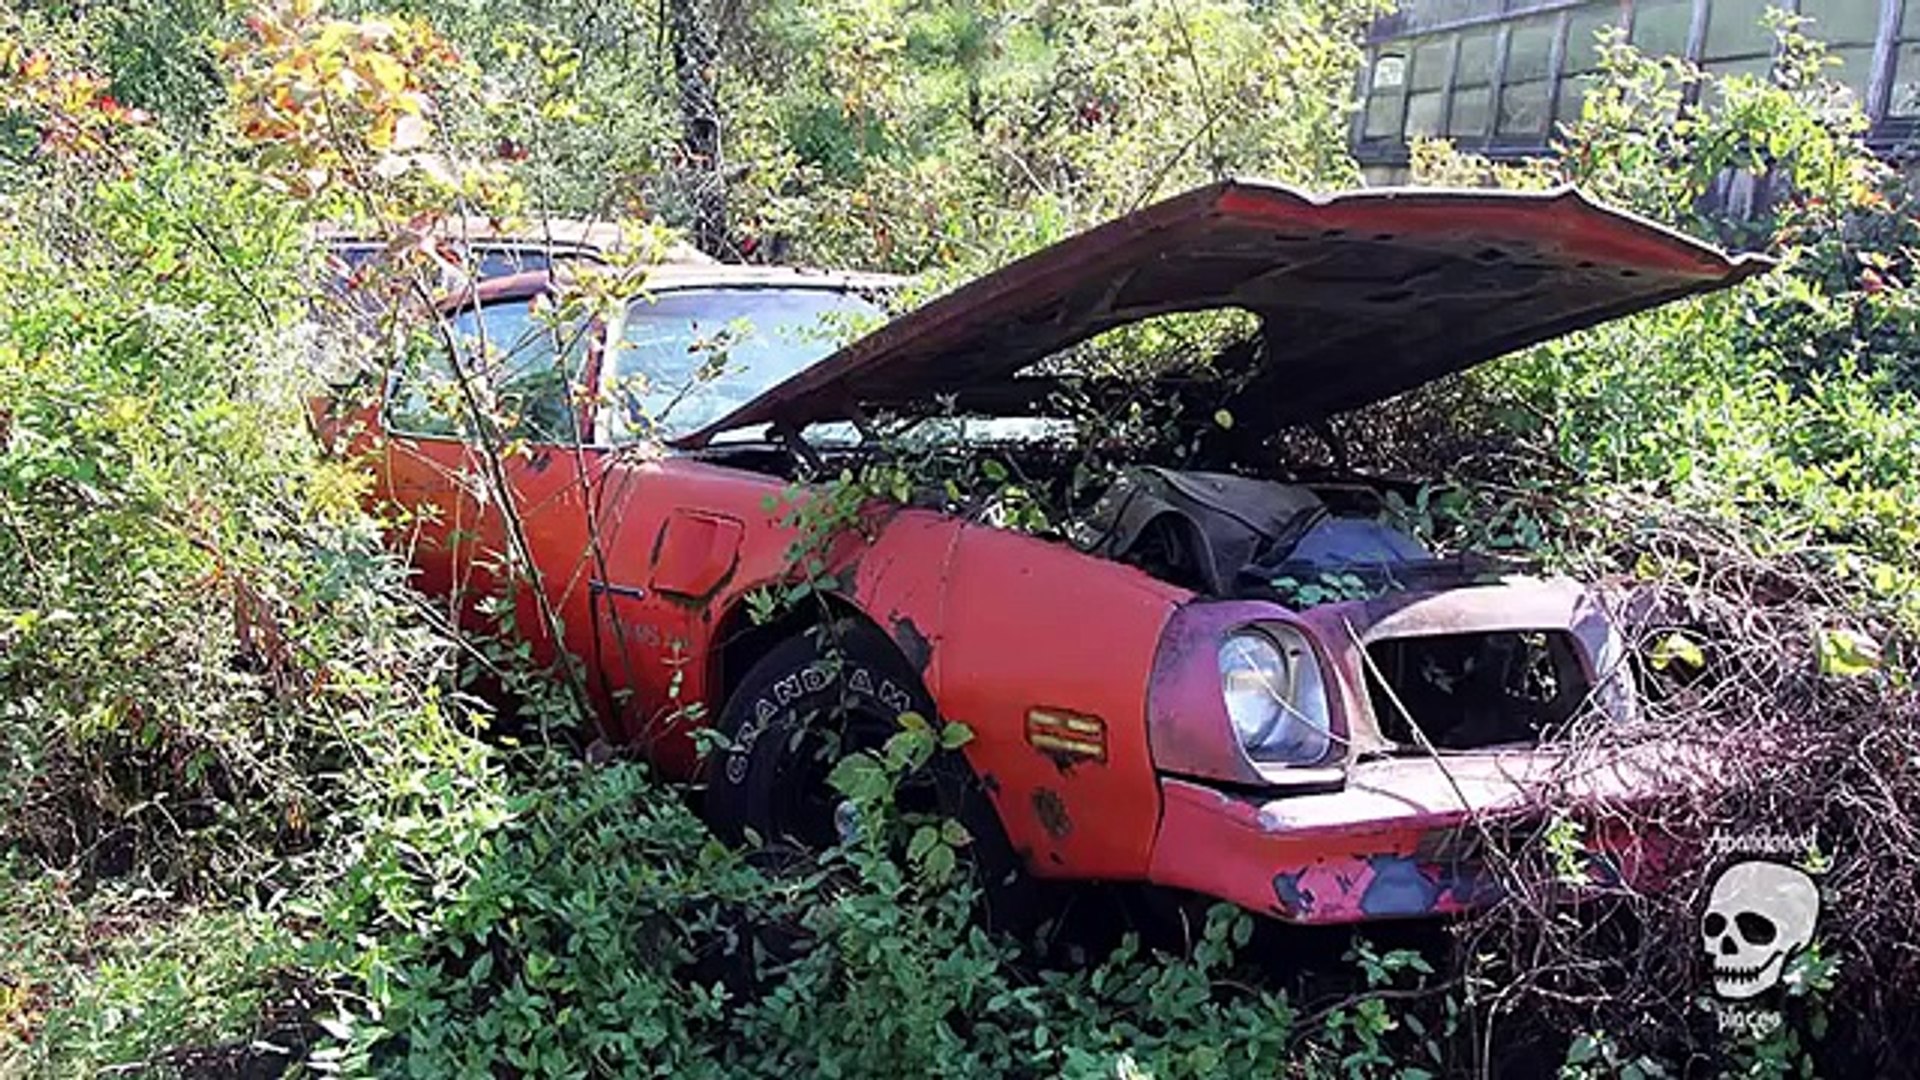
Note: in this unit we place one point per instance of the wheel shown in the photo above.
(814, 699)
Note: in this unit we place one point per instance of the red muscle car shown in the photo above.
(1150, 697)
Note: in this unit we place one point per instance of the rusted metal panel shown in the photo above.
(1345, 629)
(1366, 293)
(1034, 625)
(1399, 840)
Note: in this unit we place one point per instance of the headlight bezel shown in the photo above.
(1189, 732)
(1294, 727)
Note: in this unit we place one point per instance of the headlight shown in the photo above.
(1275, 697)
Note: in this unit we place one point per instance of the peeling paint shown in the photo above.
(1051, 809)
(1061, 761)
(1398, 887)
(913, 644)
(1295, 900)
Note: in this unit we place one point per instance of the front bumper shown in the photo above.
(1402, 838)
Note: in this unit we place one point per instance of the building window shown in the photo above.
(1904, 101)
(1662, 27)
(1582, 60)
(1849, 29)
(1735, 30)
(1526, 91)
(1500, 74)
(1427, 104)
(1386, 96)
(1473, 84)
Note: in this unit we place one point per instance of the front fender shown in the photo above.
(1045, 653)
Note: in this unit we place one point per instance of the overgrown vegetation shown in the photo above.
(249, 823)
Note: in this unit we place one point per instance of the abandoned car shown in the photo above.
(1148, 701)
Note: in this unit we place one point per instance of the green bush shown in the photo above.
(1786, 404)
(247, 822)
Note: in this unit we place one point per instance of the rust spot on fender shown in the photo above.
(1051, 809)
(1295, 899)
(913, 644)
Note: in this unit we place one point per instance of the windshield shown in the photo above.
(684, 359)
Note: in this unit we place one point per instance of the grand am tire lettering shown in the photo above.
(787, 689)
(888, 695)
(768, 789)
(809, 680)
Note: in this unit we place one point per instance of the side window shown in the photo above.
(522, 367)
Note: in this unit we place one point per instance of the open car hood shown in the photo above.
(1363, 294)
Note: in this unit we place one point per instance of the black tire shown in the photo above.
(812, 700)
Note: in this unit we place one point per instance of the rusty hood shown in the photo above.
(1362, 294)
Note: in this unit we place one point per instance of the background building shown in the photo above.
(1495, 75)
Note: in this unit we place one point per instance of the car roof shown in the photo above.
(536, 232)
(675, 276)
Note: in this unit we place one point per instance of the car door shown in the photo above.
(488, 472)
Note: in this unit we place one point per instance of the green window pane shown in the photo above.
(1855, 68)
(1757, 66)
(1734, 28)
(1847, 22)
(1573, 94)
(1443, 12)
(1905, 99)
(1523, 108)
(1425, 111)
(1471, 111)
(1583, 28)
(1385, 111)
(1430, 63)
(1476, 59)
(1530, 50)
(1660, 27)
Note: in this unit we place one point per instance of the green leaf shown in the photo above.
(940, 863)
(859, 777)
(1584, 1049)
(924, 839)
(1677, 648)
(1847, 653)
